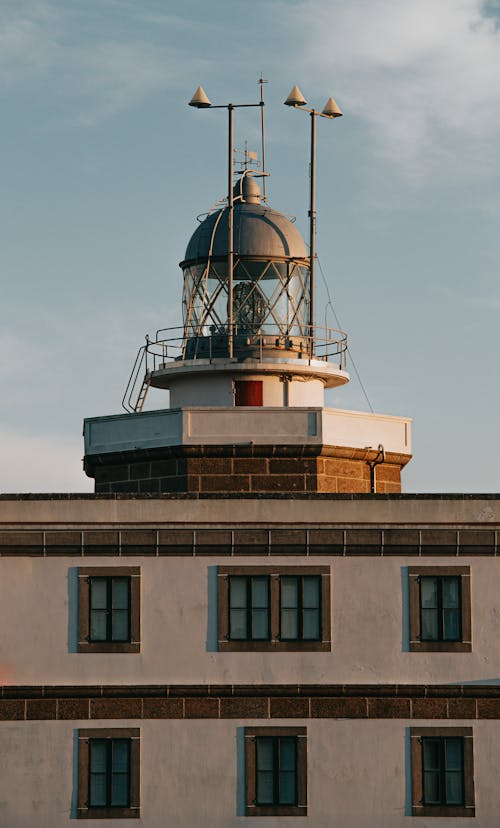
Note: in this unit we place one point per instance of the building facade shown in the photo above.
(247, 630)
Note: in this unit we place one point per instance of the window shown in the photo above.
(442, 772)
(300, 607)
(249, 608)
(109, 609)
(440, 609)
(276, 771)
(108, 773)
(274, 608)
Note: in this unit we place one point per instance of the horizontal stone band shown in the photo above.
(240, 701)
(164, 541)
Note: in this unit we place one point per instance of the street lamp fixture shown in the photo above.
(200, 100)
(330, 110)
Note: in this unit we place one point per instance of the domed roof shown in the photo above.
(258, 231)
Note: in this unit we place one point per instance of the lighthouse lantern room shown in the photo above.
(248, 368)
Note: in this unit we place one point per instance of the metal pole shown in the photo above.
(230, 234)
(263, 148)
(312, 226)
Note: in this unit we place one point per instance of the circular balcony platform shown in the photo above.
(331, 374)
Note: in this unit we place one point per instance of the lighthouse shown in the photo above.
(246, 372)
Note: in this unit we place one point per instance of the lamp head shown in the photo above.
(331, 110)
(199, 99)
(295, 98)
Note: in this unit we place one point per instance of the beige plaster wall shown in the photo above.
(38, 624)
(289, 512)
(192, 775)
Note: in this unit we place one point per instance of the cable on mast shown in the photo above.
(330, 304)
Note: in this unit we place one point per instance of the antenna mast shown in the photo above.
(263, 149)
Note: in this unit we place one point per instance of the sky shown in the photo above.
(104, 169)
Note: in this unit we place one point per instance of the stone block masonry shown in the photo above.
(245, 469)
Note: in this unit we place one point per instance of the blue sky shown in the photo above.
(104, 169)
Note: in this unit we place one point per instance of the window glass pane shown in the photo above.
(428, 593)
(98, 625)
(121, 753)
(120, 625)
(97, 793)
(451, 593)
(430, 628)
(264, 754)
(119, 789)
(289, 592)
(238, 592)
(98, 763)
(289, 624)
(453, 753)
(451, 620)
(287, 754)
(265, 794)
(431, 754)
(238, 623)
(260, 624)
(310, 624)
(454, 788)
(98, 593)
(432, 795)
(97, 756)
(120, 593)
(311, 592)
(287, 787)
(260, 592)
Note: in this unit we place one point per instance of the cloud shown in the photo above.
(425, 77)
(94, 59)
(29, 32)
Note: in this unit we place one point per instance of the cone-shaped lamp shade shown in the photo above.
(331, 109)
(295, 98)
(199, 99)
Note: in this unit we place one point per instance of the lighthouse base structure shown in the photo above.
(247, 450)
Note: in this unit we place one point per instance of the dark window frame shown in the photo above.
(85, 644)
(440, 609)
(300, 608)
(274, 642)
(419, 806)
(85, 737)
(109, 772)
(110, 581)
(252, 734)
(464, 645)
(250, 608)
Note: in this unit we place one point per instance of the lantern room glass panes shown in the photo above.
(269, 297)
(440, 608)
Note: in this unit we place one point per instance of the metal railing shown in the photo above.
(179, 343)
